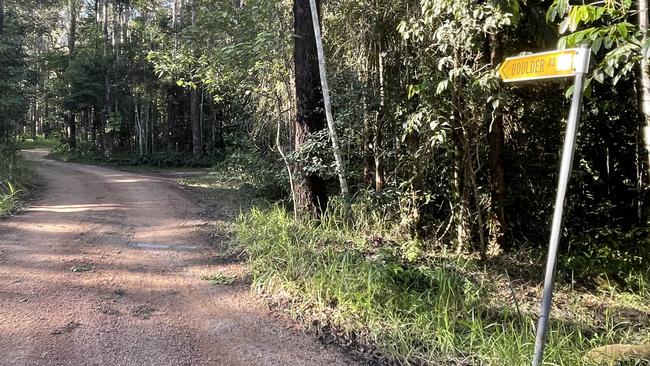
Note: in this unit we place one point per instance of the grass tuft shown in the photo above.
(219, 279)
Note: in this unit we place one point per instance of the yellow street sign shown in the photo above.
(543, 65)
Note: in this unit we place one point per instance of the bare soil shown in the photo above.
(105, 269)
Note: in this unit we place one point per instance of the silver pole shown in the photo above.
(345, 191)
(581, 65)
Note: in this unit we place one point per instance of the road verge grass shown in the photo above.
(445, 310)
(17, 182)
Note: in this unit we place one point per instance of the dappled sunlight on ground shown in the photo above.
(76, 208)
(139, 180)
(26, 228)
(108, 267)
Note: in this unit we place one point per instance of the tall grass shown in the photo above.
(435, 313)
(16, 181)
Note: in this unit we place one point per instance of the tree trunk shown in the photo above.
(105, 27)
(152, 116)
(107, 79)
(416, 187)
(368, 137)
(177, 15)
(147, 117)
(496, 139)
(460, 192)
(311, 192)
(138, 125)
(72, 137)
(380, 178)
(93, 124)
(117, 14)
(32, 118)
(221, 143)
(2, 16)
(97, 16)
(195, 104)
(470, 173)
(72, 35)
(645, 99)
(126, 16)
(46, 113)
(340, 165)
(460, 189)
(368, 160)
(175, 22)
(72, 40)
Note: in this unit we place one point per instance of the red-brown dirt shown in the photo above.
(105, 270)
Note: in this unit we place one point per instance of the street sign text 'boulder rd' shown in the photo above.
(546, 65)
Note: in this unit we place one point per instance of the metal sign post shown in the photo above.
(581, 64)
(543, 66)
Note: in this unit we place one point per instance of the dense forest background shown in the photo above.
(436, 148)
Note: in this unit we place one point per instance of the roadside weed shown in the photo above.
(219, 279)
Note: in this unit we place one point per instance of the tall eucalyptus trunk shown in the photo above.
(338, 158)
(97, 14)
(107, 77)
(126, 17)
(72, 40)
(461, 154)
(311, 193)
(195, 102)
(645, 100)
(2, 16)
(496, 139)
(380, 178)
(117, 33)
(367, 140)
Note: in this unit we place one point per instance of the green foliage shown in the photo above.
(9, 201)
(605, 26)
(15, 77)
(219, 279)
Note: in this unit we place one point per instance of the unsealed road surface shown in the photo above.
(105, 270)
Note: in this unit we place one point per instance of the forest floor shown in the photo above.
(120, 268)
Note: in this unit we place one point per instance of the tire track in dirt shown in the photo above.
(105, 270)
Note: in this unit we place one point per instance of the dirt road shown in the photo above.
(105, 270)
